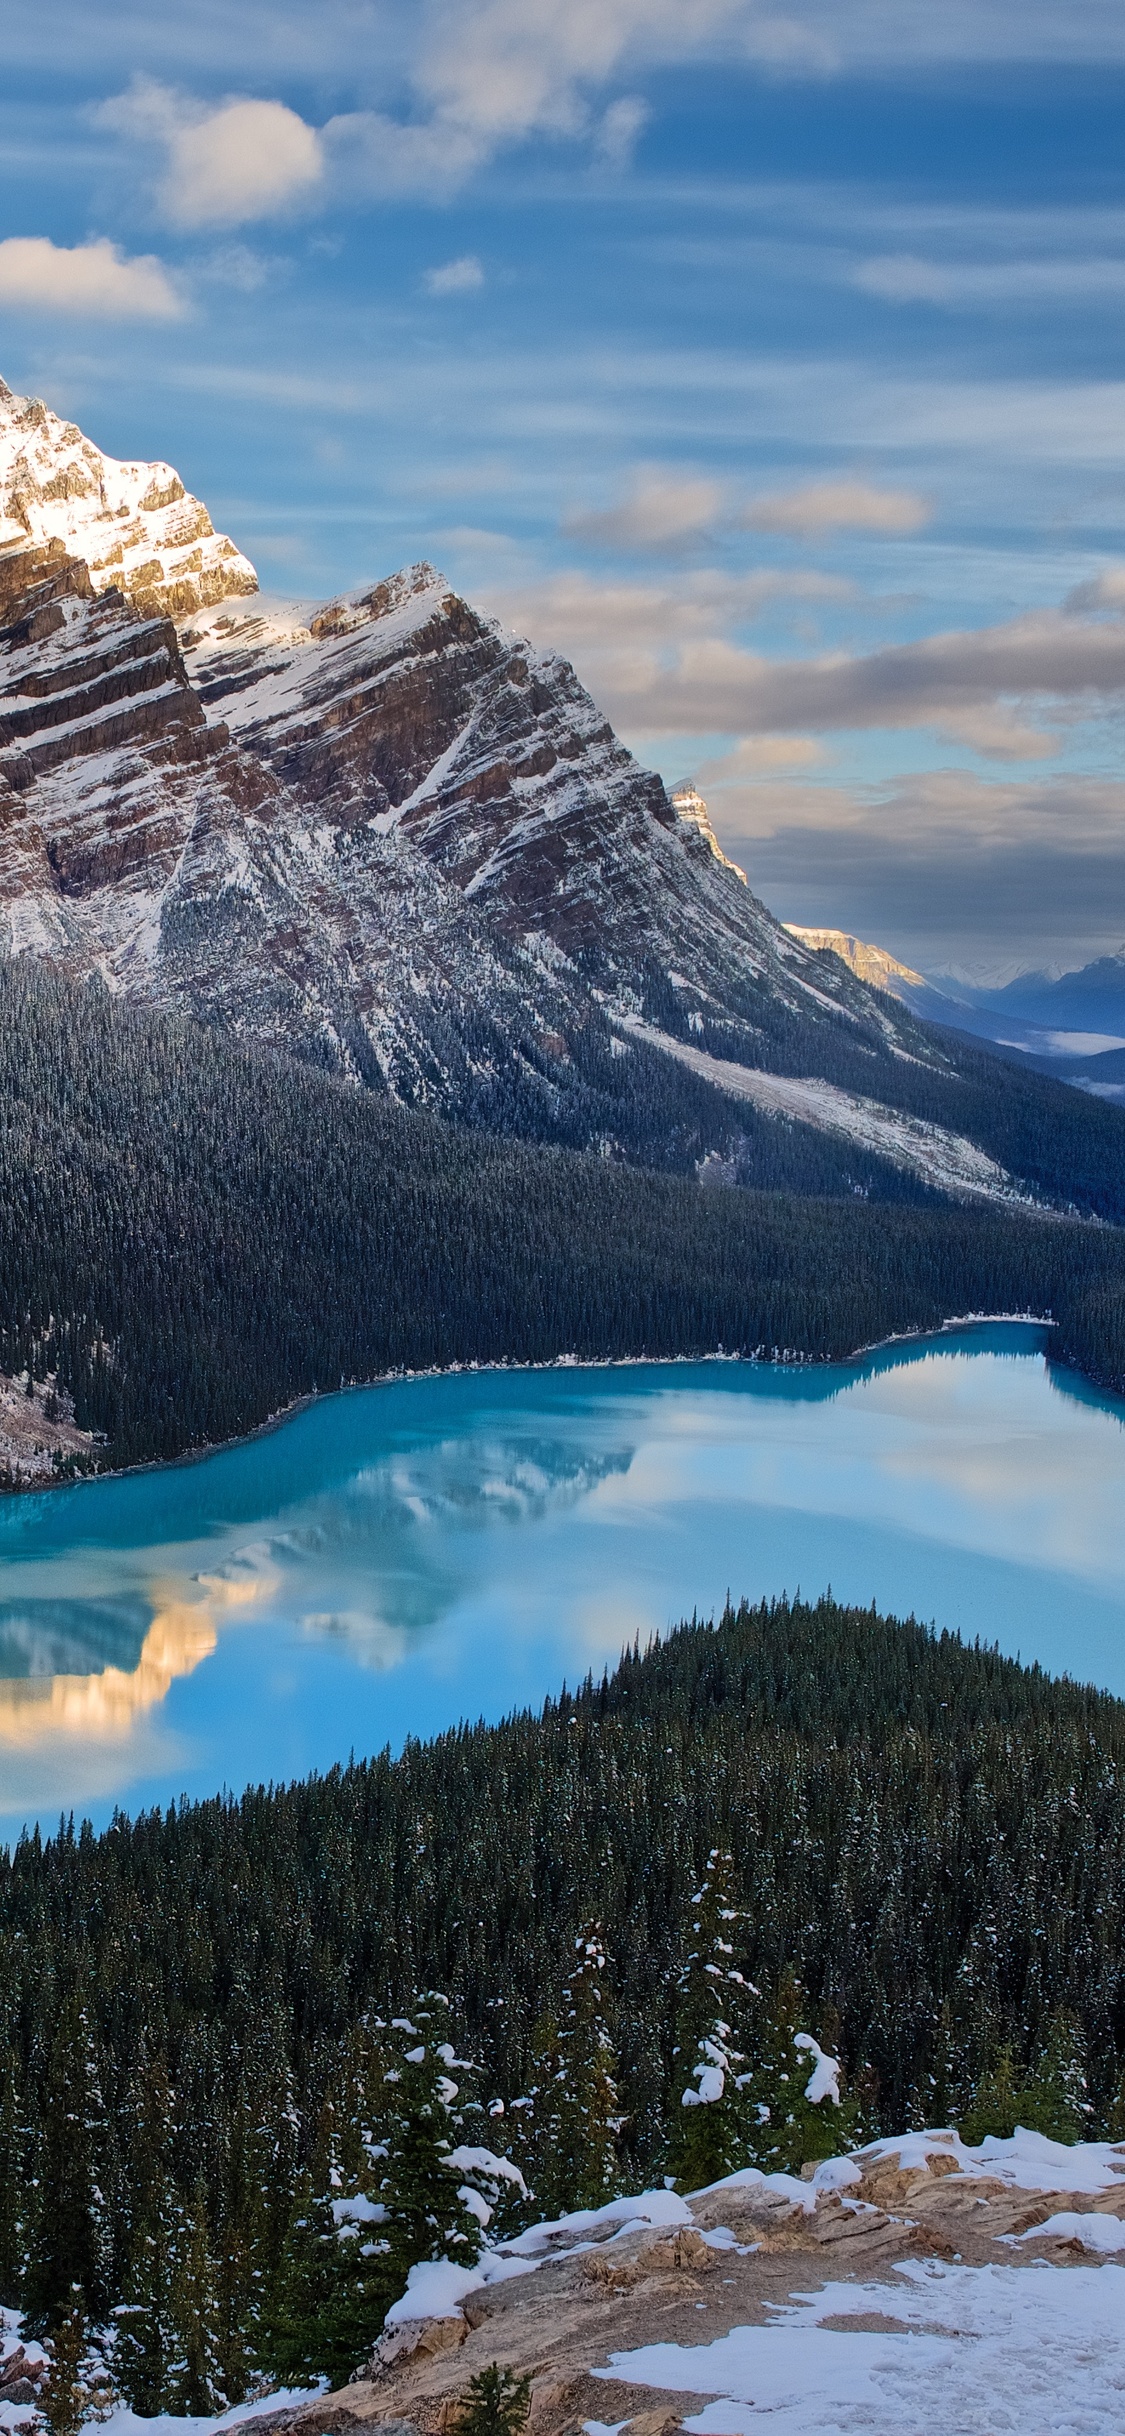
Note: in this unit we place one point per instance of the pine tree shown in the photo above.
(997, 2103)
(535, 2119)
(238, 2308)
(68, 2243)
(496, 2402)
(65, 2404)
(584, 2103)
(421, 2189)
(795, 2106)
(710, 2131)
(11, 2187)
(941, 2094)
(1115, 2119)
(1054, 2099)
(193, 2376)
(330, 2294)
(145, 2342)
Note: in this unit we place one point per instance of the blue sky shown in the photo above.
(767, 361)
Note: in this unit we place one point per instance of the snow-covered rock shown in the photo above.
(134, 525)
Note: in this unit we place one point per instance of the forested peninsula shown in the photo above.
(909, 1849)
(194, 1235)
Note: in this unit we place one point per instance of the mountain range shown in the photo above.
(1071, 1025)
(385, 836)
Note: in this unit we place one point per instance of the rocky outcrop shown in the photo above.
(568, 2304)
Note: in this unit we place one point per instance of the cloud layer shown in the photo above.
(94, 280)
(245, 160)
(655, 655)
(816, 508)
(944, 869)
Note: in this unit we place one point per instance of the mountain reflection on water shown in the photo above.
(395, 1558)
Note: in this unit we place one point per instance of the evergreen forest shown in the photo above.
(193, 1235)
(243, 2042)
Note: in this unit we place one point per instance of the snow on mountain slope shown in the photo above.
(947, 1161)
(388, 835)
(402, 710)
(134, 524)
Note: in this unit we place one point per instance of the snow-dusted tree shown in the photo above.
(329, 2296)
(796, 2107)
(573, 2111)
(67, 2399)
(1054, 2098)
(11, 2187)
(193, 2380)
(405, 2182)
(68, 2246)
(997, 2102)
(145, 2344)
(432, 2209)
(710, 2130)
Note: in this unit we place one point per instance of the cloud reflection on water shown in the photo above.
(473, 1541)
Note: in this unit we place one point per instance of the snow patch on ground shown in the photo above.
(983, 2351)
(124, 2422)
(1104, 2233)
(1028, 2161)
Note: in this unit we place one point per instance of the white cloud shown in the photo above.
(657, 658)
(847, 506)
(1104, 591)
(485, 74)
(490, 73)
(661, 509)
(94, 279)
(931, 812)
(248, 160)
(943, 867)
(613, 628)
(959, 683)
(754, 754)
(457, 278)
(370, 154)
(245, 160)
(619, 129)
(1056, 280)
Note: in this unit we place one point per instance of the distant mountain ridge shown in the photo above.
(1072, 1027)
(389, 837)
(1090, 999)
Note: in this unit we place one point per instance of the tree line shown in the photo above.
(779, 1883)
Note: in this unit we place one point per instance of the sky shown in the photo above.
(766, 361)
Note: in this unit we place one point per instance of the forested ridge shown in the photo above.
(193, 1235)
(924, 1857)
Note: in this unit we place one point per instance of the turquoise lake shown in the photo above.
(396, 1558)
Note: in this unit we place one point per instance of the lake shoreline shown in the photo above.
(790, 1359)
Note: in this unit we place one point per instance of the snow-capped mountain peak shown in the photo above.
(134, 524)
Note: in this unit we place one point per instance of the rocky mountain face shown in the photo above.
(135, 526)
(384, 835)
